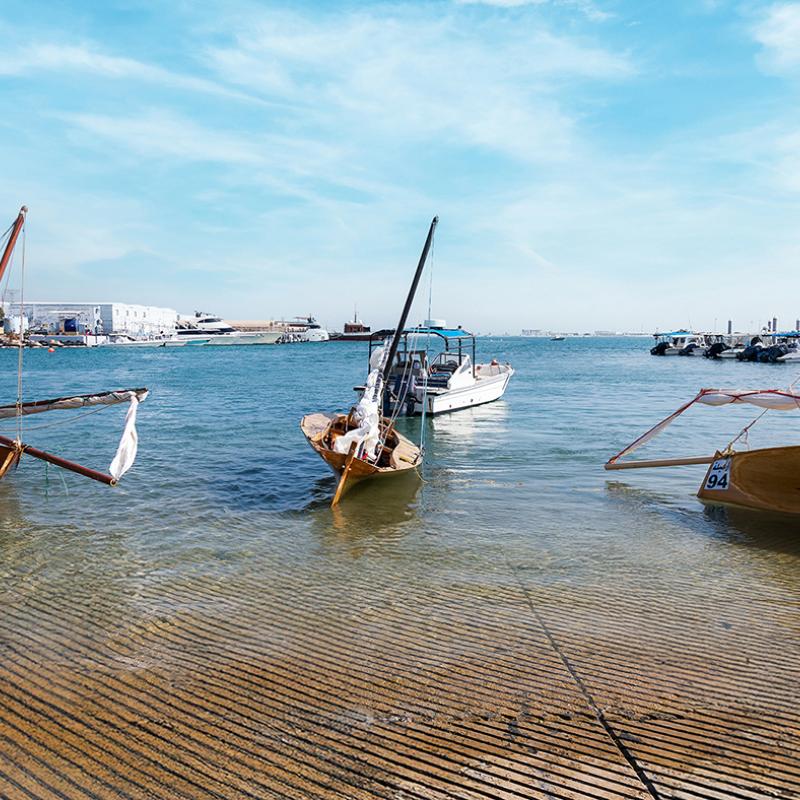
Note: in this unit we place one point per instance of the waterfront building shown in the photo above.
(141, 322)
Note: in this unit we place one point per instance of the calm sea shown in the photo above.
(222, 460)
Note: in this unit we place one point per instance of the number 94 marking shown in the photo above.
(719, 474)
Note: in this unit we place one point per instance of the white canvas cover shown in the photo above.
(774, 399)
(367, 415)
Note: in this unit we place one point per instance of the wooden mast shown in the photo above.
(16, 228)
(409, 300)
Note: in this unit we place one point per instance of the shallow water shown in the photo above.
(225, 520)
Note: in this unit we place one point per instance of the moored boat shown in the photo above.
(764, 479)
(449, 381)
(678, 343)
(363, 443)
(12, 450)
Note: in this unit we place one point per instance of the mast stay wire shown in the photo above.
(427, 350)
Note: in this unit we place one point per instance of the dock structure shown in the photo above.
(333, 681)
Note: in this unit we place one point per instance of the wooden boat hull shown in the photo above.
(766, 479)
(8, 458)
(318, 428)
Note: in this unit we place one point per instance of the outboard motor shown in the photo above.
(716, 349)
(688, 350)
(750, 353)
(401, 391)
(660, 349)
(770, 355)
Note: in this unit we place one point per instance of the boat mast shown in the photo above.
(409, 300)
(12, 239)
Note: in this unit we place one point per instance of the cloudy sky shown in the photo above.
(594, 163)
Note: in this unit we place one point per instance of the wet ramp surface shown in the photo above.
(342, 683)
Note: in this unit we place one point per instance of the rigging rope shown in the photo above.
(66, 421)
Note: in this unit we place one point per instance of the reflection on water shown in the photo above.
(778, 532)
(462, 427)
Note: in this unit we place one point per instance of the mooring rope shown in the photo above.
(584, 690)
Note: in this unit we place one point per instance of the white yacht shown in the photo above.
(302, 329)
(448, 382)
(215, 331)
(199, 331)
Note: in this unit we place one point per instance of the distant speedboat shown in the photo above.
(557, 338)
(678, 343)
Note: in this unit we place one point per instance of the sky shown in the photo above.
(594, 163)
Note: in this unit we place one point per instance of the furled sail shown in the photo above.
(367, 414)
(73, 402)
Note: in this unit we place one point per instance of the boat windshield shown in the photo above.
(449, 361)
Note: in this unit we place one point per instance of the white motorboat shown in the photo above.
(679, 343)
(449, 382)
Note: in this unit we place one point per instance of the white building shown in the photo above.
(141, 322)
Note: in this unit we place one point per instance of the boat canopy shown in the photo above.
(675, 333)
(770, 399)
(444, 333)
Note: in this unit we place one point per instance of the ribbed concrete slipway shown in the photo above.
(344, 683)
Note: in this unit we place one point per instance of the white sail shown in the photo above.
(128, 444)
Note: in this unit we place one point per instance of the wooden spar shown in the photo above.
(37, 406)
(345, 472)
(12, 240)
(58, 461)
(662, 462)
(409, 300)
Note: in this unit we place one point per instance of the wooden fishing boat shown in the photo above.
(11, 450)
(767, 478)
(363, 443)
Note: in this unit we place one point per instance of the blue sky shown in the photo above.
(594, 163)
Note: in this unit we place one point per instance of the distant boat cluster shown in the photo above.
(768, 346)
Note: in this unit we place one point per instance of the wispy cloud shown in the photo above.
(779, 34)
(83, 58)
(404, 77)
(587, 7)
